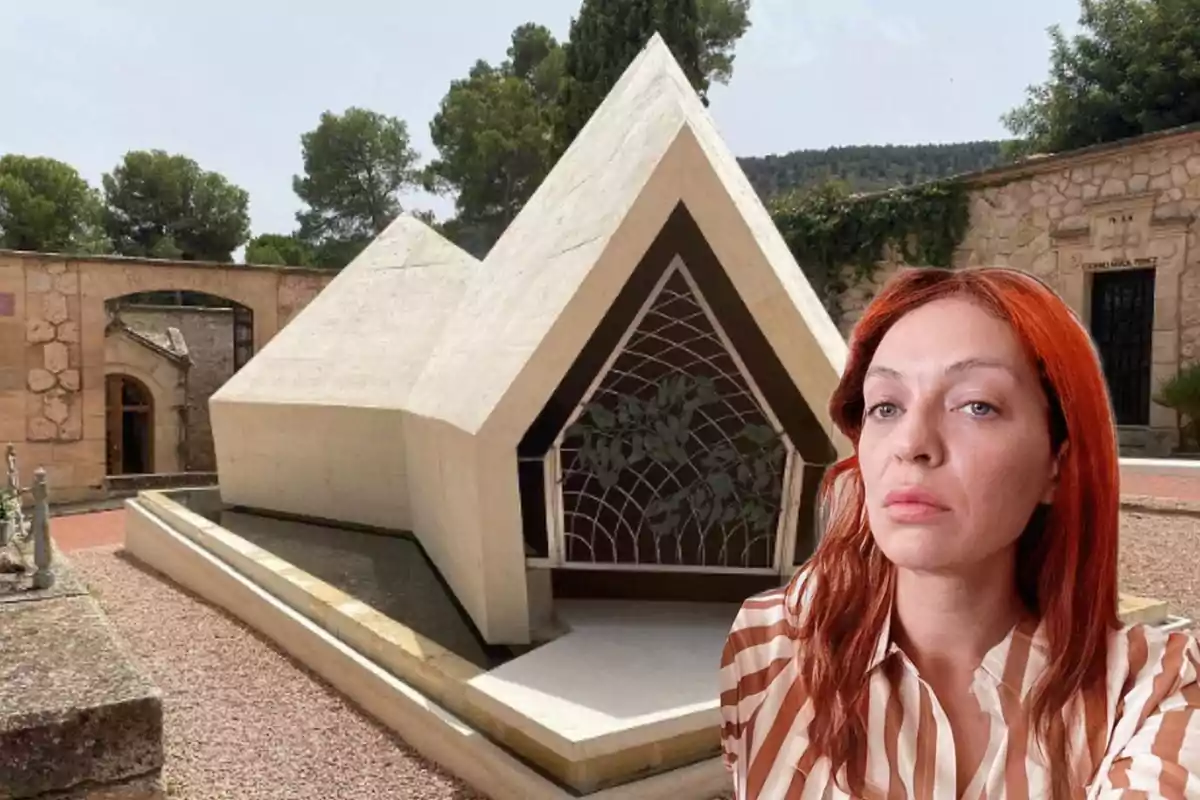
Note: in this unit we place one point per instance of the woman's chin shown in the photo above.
(919, 549)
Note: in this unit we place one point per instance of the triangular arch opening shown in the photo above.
(677, 442)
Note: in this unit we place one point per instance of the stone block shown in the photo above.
(38, 331)
(57, 406)
(69, 379)
(143, 787)
(76, 712)
(54, 307)
(1145, 610)
(1166, 310)
(56, 357)
(1165, 347)
(41, 380)
(68, 332)
(38, 280)
(1160, 183)
(1112, 187)
(40, 429)
(67, 283)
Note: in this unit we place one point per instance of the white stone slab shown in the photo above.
(627, 674)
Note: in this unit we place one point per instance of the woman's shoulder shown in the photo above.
(763, 630)
(1142, 653)
(769, 610)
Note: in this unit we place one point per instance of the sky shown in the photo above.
(234, 83)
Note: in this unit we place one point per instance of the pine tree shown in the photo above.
(606, 37)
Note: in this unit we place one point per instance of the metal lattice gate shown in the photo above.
(1123, 326)
(673, 459)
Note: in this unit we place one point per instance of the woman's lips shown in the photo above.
(913, 504)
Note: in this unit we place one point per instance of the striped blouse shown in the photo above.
(1144, 742)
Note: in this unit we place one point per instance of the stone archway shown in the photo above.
(217, 336)
(129, 432)
(241, 315)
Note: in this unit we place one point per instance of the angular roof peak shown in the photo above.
(364, 339)
(646, 144)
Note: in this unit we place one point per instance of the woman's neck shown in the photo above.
(948, 622)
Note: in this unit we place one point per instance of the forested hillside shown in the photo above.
(868, 168)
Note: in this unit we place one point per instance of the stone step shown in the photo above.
(1146, 610)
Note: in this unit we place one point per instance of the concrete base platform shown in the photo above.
(627, 674)
(470, 719)
(77, 719)
(628, 692)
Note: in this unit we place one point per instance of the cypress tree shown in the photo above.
(605, 38)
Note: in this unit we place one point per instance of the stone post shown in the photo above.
(42, 549)
(11, 529)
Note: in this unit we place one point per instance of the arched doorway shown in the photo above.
(129, 408)
(218, 336)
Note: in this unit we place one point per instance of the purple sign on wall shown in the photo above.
(8, 304)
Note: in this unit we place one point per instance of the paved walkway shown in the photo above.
(1164, 486)
(103, 528)
(83, 531)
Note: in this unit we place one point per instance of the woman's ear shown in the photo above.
(1055, 469)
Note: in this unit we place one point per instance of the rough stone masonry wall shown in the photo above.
(1015, 223)
(208, 333)
(52, 346)
(1064, 219)
(54, 411)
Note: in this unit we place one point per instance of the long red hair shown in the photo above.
(1067, 556)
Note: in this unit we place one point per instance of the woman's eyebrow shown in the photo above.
(966, 365)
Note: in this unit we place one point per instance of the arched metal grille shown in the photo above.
(673, 460)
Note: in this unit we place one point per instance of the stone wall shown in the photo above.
(1065, 218)
(52, 346)
(208, 333)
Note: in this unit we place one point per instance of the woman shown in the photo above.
(956, 633)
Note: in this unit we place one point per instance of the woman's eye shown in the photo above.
(979, 408)
(883, 410)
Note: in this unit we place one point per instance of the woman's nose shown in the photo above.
(918, 437)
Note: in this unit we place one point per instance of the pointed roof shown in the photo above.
(646, 148)
(363, 341)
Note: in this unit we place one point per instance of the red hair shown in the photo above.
(1067, 556)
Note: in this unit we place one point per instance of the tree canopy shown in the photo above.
(1134, 68)
(606, 37)
(45, 205)
(356, 166)
(868, 168)
(493, 134)
(500, 129)
(279, 250)
(166, 206)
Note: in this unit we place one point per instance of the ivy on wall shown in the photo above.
(827, 229)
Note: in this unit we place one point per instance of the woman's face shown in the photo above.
(955, 448)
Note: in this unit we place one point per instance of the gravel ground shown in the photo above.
(1160, 558)
(244, 722)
